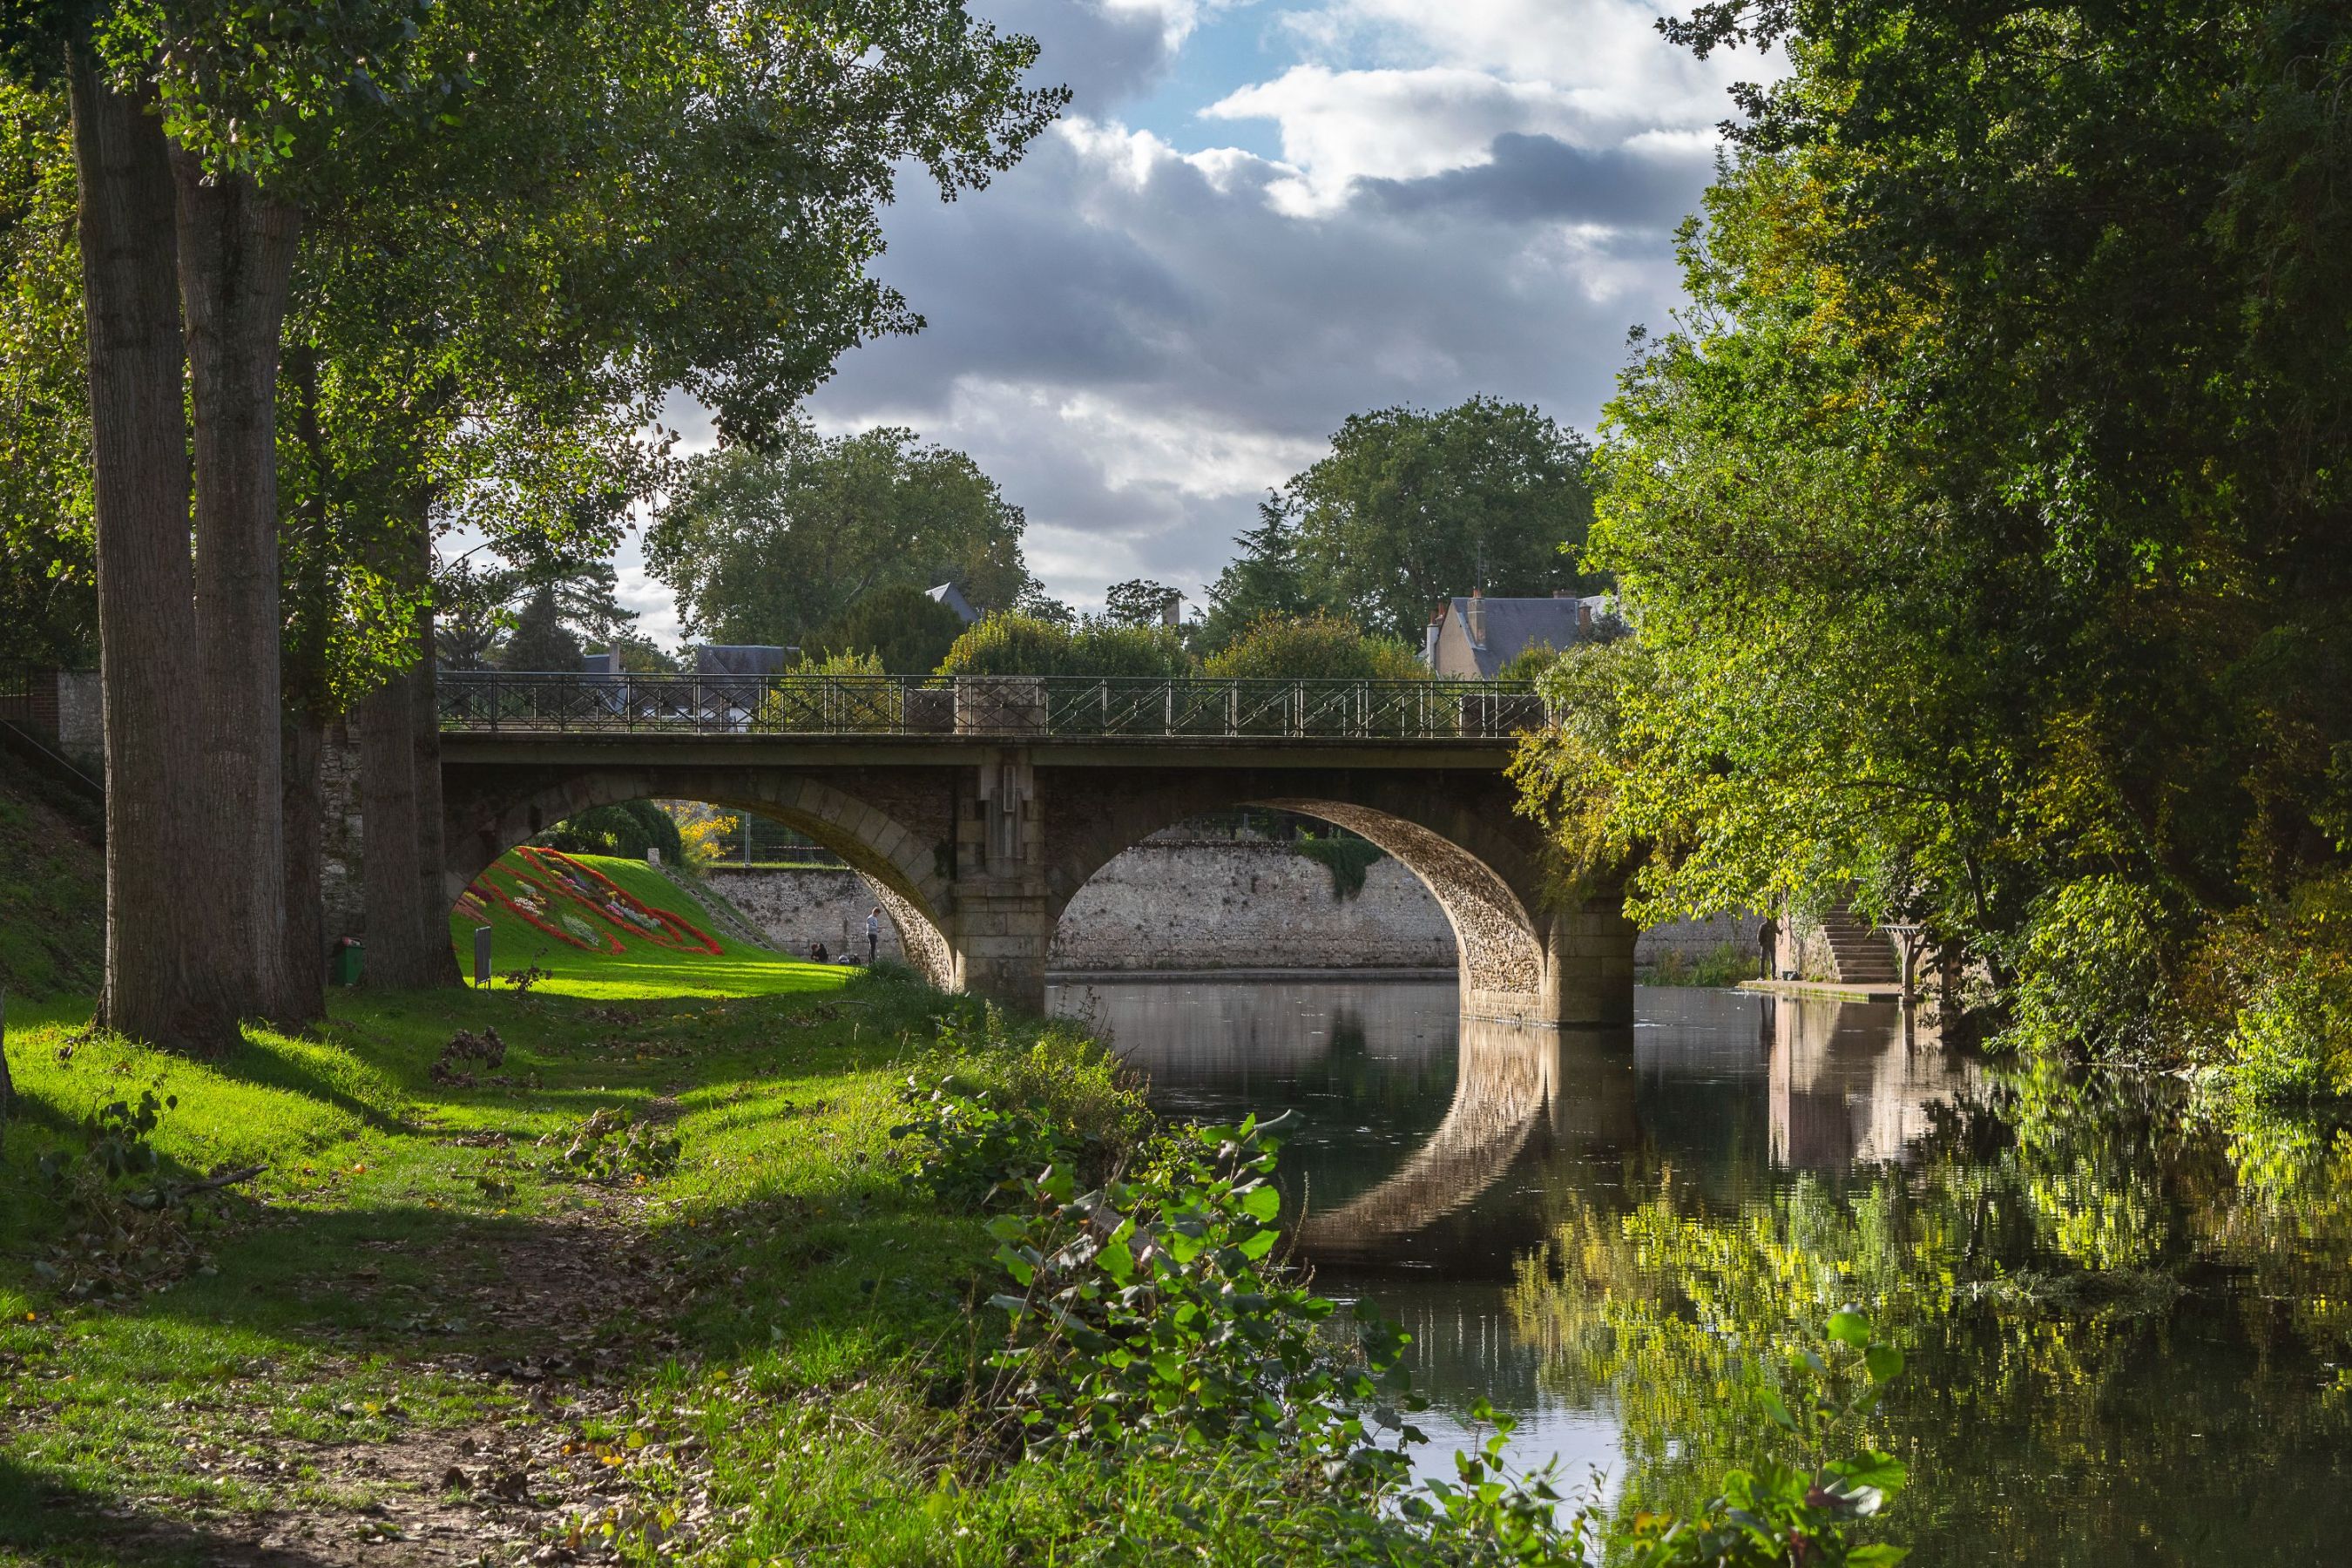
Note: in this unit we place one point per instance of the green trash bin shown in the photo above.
(350, 958)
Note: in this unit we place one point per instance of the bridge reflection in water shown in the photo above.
(1434, 1142)
(1434, 1151)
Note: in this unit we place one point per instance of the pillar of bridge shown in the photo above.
(1588, 960)
(999, 921)
(1581, 972)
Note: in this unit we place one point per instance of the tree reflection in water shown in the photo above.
(2123, 1314)
(2125, 1311)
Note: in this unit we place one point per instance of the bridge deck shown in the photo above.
(990, 710)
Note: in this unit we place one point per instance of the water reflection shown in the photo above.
(2129, 1316)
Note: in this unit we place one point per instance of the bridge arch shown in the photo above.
(904, 872)
(1522, 957)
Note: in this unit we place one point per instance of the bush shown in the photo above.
(2091, 972)
(2293, 1039)
(1725, 964)
(1312, 648)
(1016, 643)
(1148, 1311)
(626, 830)
(1346, 856)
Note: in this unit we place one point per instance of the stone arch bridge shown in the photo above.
(981, 806)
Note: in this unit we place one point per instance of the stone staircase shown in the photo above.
(1862, 954)
(738, 926)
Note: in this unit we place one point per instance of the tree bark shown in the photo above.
(389, 839)
(237, 248)
(164, 984)
(304, 962)
(439, 958)
(309, 605)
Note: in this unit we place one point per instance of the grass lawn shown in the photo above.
(422, 1334)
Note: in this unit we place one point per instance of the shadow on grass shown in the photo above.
(69, 1526)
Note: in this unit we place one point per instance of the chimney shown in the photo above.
(1562, 593)
(1428, 638)
(1477, 618)
(1172, 609)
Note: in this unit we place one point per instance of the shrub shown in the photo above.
(1725, 964)
(1312, 648)
(2293, 1039)
(1148, 1311)
(1346, 856)
(627, 830)
(1017, 643)
(2089, 972)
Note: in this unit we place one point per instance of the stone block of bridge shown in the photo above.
(997, 942)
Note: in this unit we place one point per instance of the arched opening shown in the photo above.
(1454, 850)
(1252, 890)
(868, 843)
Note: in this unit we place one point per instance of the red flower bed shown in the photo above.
(556, 883)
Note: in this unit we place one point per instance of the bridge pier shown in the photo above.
(997, 943)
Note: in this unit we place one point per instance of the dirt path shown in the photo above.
(577, 1303)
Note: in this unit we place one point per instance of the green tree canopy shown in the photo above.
(1140, 602)
(768, 547)
(1983, 520)
(1312, 648)
(1411, 508)
(1264, 579)
(1017, 643)
(898, 624)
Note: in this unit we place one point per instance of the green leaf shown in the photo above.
(1850, 1328)
(1262, 1204)
(1877, 1554)
(1884, 1363)
(1775, 1409)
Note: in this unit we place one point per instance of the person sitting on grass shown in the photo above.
(817, 953)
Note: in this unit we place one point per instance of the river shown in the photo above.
(2128, 1316)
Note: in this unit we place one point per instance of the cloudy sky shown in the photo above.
(1258, 216)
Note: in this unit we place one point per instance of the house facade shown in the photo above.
(1474, 638)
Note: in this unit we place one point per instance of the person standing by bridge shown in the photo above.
(873, 935)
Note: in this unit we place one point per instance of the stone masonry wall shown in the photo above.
(1247, 905)
(1172, 904)
(795, 907)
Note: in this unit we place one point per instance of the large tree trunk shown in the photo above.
(236, 263)
(163, 984)
(389, 837)
(309, 605)
(304, 962)
(440, 959)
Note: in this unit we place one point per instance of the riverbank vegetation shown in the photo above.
(585, 1270)
(2006, 599)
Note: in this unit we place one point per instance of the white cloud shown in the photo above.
(1606, 53)
(1340, 126)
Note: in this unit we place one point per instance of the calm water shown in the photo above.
(2129, 1320)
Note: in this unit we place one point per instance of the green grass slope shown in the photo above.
(644, 967)
(52, 891)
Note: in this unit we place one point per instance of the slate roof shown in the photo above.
(1513, 626)
(950, 595)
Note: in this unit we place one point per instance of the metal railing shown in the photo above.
(988, 706)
